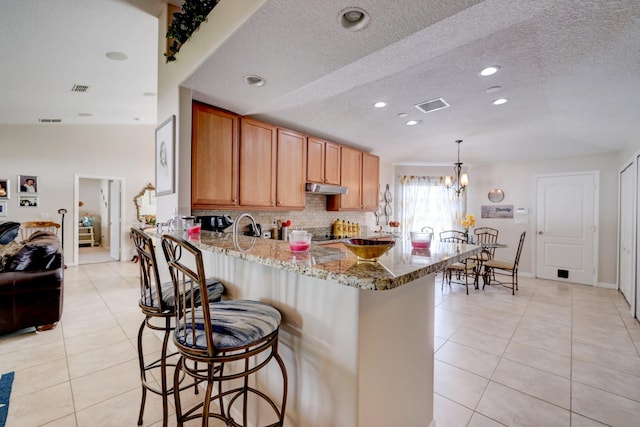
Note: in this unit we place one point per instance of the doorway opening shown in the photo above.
(97, 219)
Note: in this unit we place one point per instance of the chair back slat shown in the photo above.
(453, 236)
(27, 228)
(487, 235)
(519, 251)
(187, 274)
(152, 299)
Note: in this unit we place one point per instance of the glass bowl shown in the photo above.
(299, 241)
(368, 249)
(421, 239)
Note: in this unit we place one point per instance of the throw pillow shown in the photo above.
(8, 231)
(40, 252)
(7, 251)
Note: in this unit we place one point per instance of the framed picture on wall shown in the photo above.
(27, 184)
(5, 189)
(28, 201)
(3, 207)
(165, 157)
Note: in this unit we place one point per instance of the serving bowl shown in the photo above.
(368, 249)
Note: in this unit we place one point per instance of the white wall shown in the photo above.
(518, 183)
(55, 153)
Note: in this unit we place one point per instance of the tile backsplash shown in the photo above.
(315, 215)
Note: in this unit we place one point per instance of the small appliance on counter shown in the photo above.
(214, 222)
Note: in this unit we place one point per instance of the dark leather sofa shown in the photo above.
(31, 283)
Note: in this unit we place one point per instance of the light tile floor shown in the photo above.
(554, 354)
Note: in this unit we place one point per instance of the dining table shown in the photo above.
(480, 260)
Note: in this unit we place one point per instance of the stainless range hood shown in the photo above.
(326, 189)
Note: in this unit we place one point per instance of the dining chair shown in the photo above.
(463, 269)
(427, 229)
(486, 235)
(493, 267)
(234, 338)
(27, 228)
(157, 302)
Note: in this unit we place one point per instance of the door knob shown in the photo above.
(540, 232)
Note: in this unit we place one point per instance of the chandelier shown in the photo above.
(461, 179)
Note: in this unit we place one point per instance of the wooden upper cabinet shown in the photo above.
(257, 163)
(350, 177)
(214, 157)
(370, 181)
(360, 174)
(315, 160)
(323, 161)
(331, 163)
(291, 169)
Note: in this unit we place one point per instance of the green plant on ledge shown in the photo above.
(184, 23)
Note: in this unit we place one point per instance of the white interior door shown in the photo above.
(114, 219)
(566, 213)
(625, 250)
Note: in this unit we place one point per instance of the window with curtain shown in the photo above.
(425, 201)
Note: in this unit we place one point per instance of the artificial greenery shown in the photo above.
(184, 23)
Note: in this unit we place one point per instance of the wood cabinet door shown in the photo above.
(214, 157)
(315, 160)
(331, 163)
(350, 177)
(370, 181)
(257, 163)
(291, 169)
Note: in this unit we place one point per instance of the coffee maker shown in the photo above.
(214, 222)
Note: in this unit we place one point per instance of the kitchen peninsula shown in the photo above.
(356, 337)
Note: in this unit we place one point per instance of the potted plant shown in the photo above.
(185, 22)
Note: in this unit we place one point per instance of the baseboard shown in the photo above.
(607, 285)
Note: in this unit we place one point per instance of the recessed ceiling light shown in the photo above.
(353, 18)
(380, 104)
(403, 115)
(493, 89)
(137, 119)
(116, 56)
(85, 114)
(500, 101)
(489, 71)
(412, 122)
(253, 80)
(149, 94)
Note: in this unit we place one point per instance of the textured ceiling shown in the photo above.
(569, 68)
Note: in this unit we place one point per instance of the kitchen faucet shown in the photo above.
(235, 232)
(237, 221)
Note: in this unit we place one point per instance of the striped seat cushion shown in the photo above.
(236, 323)
(215, 290)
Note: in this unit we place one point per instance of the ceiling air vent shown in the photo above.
(50, 120)
(432, 105)
(80, 88)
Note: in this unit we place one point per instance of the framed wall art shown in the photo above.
(3, 207)
(27, 184)
(5, 189)
(165, 157)
(28, 200)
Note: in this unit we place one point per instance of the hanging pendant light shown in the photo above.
(461, 179)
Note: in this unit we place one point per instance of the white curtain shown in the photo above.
(425, 201)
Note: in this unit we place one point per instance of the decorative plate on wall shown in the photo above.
(496, 195)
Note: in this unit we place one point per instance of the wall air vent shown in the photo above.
(432, 105)
(50, 120)
(80, 88)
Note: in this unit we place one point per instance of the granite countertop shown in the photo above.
(334, 262)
